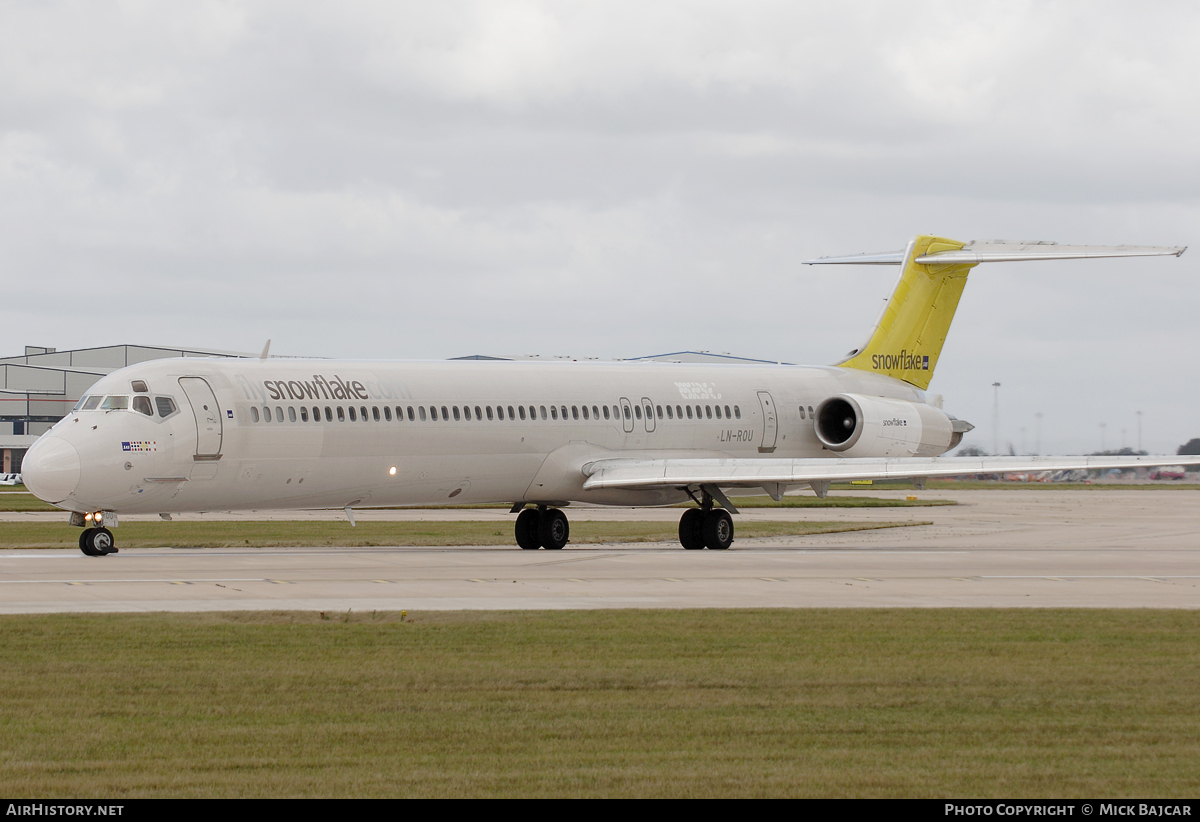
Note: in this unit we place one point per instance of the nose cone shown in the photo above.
(51, 469)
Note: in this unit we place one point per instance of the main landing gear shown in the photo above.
(542, 527)
(96, 542)
(706, 527)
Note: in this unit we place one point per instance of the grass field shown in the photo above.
(883, 703)
(285, 533)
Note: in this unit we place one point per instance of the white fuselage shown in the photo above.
(291, 433)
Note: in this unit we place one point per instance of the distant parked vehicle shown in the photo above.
(1168, 472)
(10, 479)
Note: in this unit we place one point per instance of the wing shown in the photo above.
(767, 473)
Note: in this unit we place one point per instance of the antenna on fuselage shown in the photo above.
(266, 348)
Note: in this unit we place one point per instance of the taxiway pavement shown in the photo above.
(1005, 548)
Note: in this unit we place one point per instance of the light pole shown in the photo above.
(1139, 416)
(996, 418)
(1102, 447)
(1038, 417)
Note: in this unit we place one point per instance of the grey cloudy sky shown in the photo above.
(613, 179)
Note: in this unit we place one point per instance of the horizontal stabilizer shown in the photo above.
(1001, 251)
(754, 473)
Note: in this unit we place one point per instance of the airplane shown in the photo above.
(194, 434)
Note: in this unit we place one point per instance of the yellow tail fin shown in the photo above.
(907, 340)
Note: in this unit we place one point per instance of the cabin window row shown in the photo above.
(498, 412)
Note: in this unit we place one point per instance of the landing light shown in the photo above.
(392, 470)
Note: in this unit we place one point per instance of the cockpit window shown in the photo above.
(142, 406)
(166, 406)
(139, 386)
(115, 404)
(90, 403)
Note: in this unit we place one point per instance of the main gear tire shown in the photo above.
(554, 530)
(527, 529)
(718, 529)
(691, 533)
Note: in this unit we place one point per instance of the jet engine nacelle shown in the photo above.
(859, 426)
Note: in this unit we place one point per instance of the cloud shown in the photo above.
(605, 179)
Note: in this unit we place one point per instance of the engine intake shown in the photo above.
(859, 426)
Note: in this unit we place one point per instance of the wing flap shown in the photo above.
(754, 473)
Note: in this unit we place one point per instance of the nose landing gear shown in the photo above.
(96, 542)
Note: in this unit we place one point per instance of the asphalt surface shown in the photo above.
(1009, 548)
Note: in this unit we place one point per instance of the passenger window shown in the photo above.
(606, 412)
(627, 414)
(718, 412)
(456, 416)
(139, 387)
(92, 402)
(522, 409)
(678, 412)
(553, 412)
(689, 410)
(433, 413)
(478, 414)
(328, 414)
(253, 414)
(291, 414)
(341, 414)
(278, 414)
(670, 413)
(375, 412)
(387, 413)
(708, 411)
(802, 412)
(489, 412)
(362, 413)
(446, 416)
(810, 412)
(353, 418)
(115, 404)
(421, 409)
(303, 413)
(737, 412)
(266, 414)
(316, 414)
(658, 408)
(410, 414)
(563, 409)
(575, 412)
(543, 412)
(637, 409)
(166, 406)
